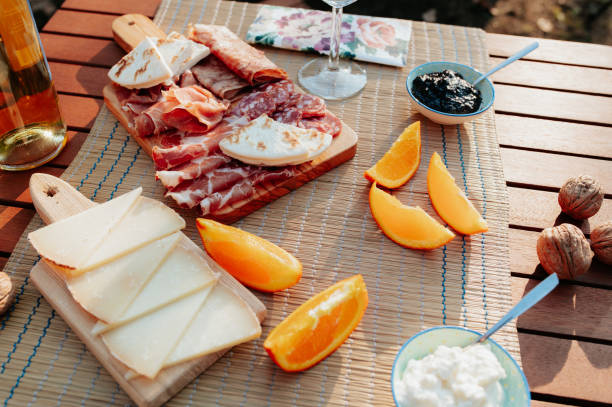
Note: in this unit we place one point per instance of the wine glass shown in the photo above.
(333, 79)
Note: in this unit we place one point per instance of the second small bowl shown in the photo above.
(469, 74)
(516, 389)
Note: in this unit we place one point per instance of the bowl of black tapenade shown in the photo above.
(443, 92)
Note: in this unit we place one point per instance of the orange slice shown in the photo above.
(408, 226)
(400, 163)
(254, 261)
(450, 202)
(319, 326)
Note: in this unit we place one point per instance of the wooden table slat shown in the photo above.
(13, 221)
(80, 23)
(81, 50)
(553, 104)
(569, 310)
(556, 51)
(14, 185)
(565, 368)
(147, 8)
(554, 136)
(82, 80)
(73, 145)
(561, 77)
(552, 170)
(79, 111)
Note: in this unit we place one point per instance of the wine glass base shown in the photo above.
(341, 83)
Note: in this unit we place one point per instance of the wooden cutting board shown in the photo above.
(55, 199)
(128, 31)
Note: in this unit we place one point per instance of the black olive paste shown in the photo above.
(446, 92)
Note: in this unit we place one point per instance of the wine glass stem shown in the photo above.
(334, 50)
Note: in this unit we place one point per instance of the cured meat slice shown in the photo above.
(218, 78)
(150, 120)
(187, 79)
(192, 109)
(244, 189)
(247, 62)
(191, 170)
(136, 101)
(308, 105)
(327, 124)
(265, 100)
(186, 148)
(290, 116)
(190, 193)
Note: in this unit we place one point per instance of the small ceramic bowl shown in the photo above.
(469, 74)
(516, 389)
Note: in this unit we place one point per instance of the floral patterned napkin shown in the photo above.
(371, 39)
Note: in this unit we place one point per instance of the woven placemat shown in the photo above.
(326, 224)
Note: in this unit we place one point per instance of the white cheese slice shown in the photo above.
(267, 142)
(183, 272)
(145, 343)
(147, 220)
(180, 53)
(68, 243)
(105, 292)
(142, 67)
(225, 320)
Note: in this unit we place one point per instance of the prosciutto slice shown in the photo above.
(192, 109)
(150, 120)
(218, 78)
(191, 170)
(247, 62)
(190, 193)
(244, 189)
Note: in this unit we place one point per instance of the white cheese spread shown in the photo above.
(452, 377)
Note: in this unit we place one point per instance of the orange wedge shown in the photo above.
(400, 163)
(253, 261)
(450, 202)
(408, 226)
(319, 326)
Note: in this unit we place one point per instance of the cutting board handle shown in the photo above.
(130, 29)
(55, 199)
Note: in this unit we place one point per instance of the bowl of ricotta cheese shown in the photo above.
(435, 368)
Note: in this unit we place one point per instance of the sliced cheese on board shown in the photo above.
(147, 220)
(145, 343)
(184, 271)
(180, 53)
(142, 67)
(225, 320)
(265, 141)
(106, 291)
(69, 242)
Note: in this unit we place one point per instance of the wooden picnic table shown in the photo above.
(554, 120)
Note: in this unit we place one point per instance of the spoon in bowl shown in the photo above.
(509, 60)
(532, 298)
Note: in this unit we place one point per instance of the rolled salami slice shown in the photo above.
(247, 62)
(216, 77)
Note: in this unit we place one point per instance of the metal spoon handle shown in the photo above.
(508, 61)
(533, 297)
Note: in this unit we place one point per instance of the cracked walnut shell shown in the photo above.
(601, 242)
(581, 197)
(7, 292)
(564, 250)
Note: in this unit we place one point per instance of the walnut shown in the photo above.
(7, 292)
(601, 242)
(564, 250)
(581, 197)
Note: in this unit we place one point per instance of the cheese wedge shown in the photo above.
(145, 343)
(184, 271)
(69, 242)
(180, 53)
(225, 320)
(147, 220)
(142, 67)
(267, 142)
(105, 292)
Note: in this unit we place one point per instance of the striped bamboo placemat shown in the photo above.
(326, 224)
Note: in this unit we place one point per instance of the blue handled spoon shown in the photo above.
(509, 60)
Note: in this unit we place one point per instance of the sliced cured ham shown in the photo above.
(247, 62)
(187, 79)
(219, 201)
(186, 148)
(191, 170)
(150, 120)
(192, 109)
(190, 193)
(218, 78)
